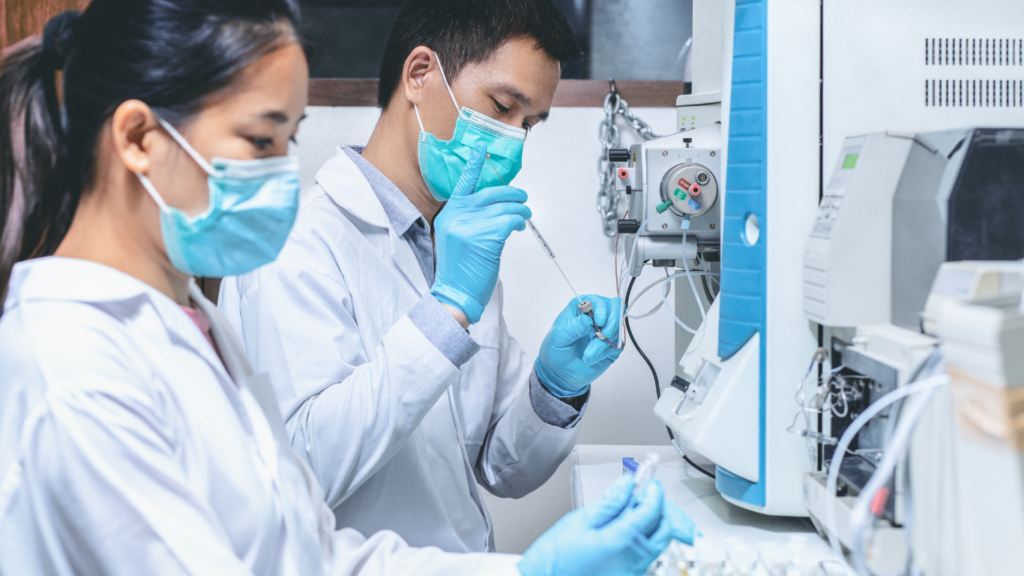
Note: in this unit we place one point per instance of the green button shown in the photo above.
(680, 194)
(663, 206)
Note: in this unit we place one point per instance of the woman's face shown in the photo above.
(255, 118)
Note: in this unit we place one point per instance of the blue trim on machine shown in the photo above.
(744, 267)
(739, 488)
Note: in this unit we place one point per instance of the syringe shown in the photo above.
(551, 254)
(585, 307)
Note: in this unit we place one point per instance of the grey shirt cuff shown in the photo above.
(552, 410)
(443, 331)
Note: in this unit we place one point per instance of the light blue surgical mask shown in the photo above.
(253, 204)
(442, 162)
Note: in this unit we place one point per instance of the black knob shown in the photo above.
(687, 141)
(618, 155)
(629, 226)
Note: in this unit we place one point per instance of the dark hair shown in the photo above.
(462, 32)
(174, 55)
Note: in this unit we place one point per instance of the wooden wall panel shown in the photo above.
(20, 19)
(571, 93)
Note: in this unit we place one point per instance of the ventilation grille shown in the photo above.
(974, 52)
(974, 93)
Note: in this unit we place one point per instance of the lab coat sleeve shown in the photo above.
(386, 554)
(104, 475)
(348, 410)
(520, 451)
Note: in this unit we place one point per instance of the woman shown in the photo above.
(134, 438)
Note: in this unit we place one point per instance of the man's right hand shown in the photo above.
(470, 233)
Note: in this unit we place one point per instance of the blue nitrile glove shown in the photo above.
(678, 524)
(469, 234)
(613, 536)
(571, 356)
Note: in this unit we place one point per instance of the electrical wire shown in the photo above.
(657, 383)
(657, 282)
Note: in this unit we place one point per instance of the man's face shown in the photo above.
(514, 86)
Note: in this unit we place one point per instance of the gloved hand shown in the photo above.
(469, 234)
(571, 356)
(614, 536)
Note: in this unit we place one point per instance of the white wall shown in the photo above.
(560, 174)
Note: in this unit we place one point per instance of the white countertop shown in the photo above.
(595, 467)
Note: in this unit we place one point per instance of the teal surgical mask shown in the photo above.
(253, 204)
(442, 162)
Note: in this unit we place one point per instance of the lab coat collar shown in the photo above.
(75, 280)
(345, 183)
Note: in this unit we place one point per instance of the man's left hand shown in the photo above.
(572, 356)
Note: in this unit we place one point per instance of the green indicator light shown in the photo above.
(850, 162)
(693, 117)
(680, 194)
(662, 207)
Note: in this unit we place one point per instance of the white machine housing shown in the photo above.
(967, 455)
(737, 408)
(869, 231)
(650, 163)
(873, 77)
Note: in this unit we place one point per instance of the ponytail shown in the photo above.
(36, 205)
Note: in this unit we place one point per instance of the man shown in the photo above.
(392, 363)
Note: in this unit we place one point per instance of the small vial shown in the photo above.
(644, 473)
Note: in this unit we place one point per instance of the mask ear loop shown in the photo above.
(186, 146)
(422, 131)
(445, 78)
(152, 192)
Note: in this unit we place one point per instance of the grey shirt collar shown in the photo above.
(401, 212)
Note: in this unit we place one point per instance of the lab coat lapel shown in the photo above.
(346, 185)
(403, 256)
(232, 352)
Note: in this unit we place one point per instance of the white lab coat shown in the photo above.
(126, 447)
(398, 436)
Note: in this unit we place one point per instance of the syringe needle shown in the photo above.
(540, 239)
(551, 254)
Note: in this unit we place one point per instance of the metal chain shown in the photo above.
(608, 135)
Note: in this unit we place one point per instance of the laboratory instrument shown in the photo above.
(897, 206)
(734, 399)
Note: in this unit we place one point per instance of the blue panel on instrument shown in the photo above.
(737, 488)
(744, 267)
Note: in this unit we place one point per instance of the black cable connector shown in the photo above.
(657, 383)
